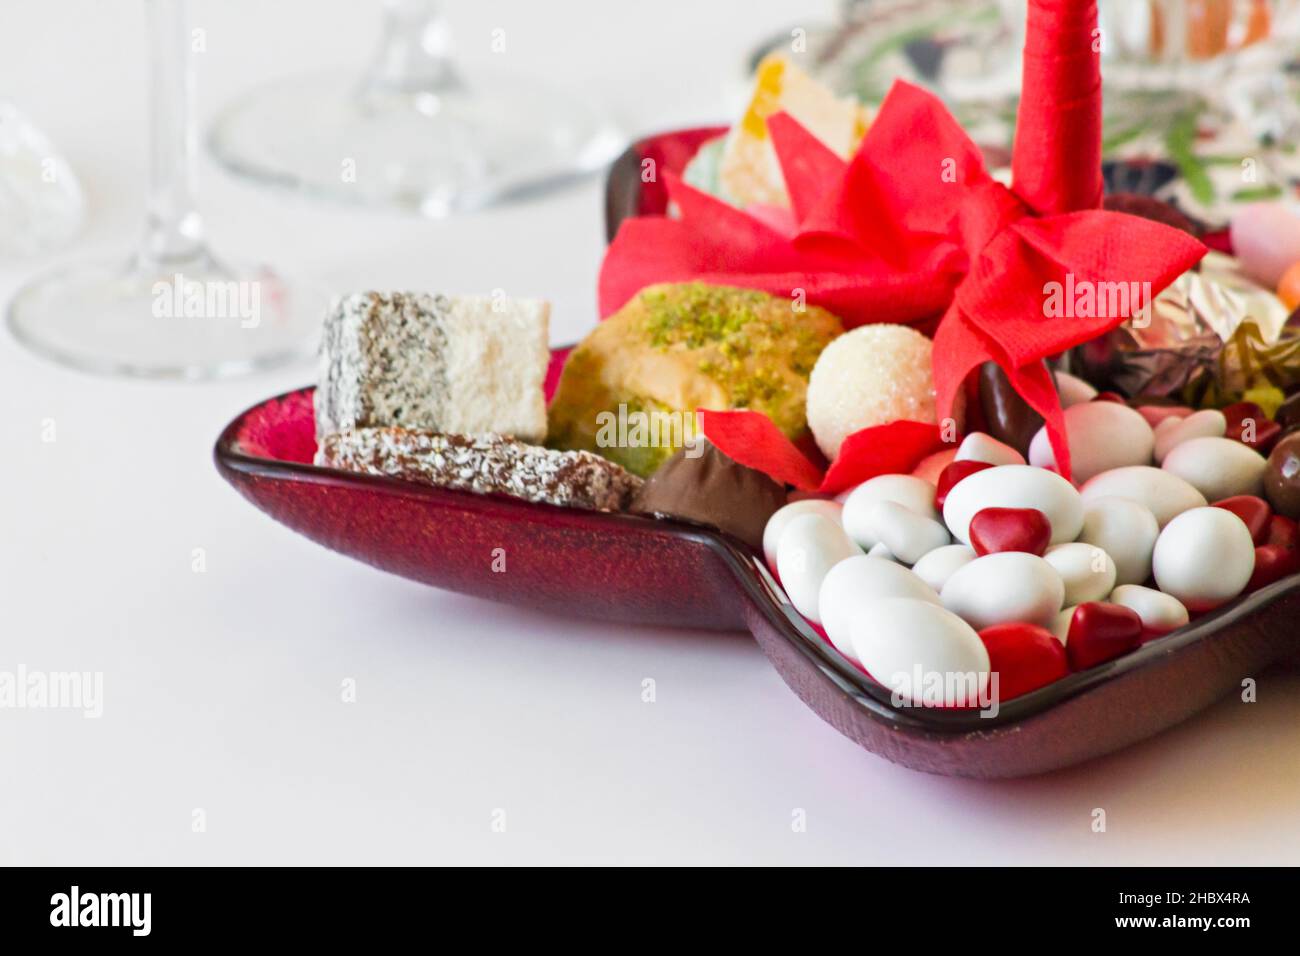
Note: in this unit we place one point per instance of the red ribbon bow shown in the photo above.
(913, 225)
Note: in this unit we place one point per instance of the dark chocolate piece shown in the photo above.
(1288, 413)
(701, 484)
(1282, 477)
(1007, 416)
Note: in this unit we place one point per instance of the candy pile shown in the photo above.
(982, 562)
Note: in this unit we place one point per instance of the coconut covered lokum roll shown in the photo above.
(482, 463)
(463, 365)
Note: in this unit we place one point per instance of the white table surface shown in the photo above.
(222, 689)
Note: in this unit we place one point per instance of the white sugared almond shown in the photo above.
(1102, 436)
(1073, 390)
(1086, 570)
(777, 524)
(1015, 486)
(1207, 423)
(1060, 625)
(978, 446)
(855, 584)
(1004, 588)
(906, 490)
(908, 535)
(904, 637)
(810, 546)
(1131, 523)
(881, 550)
(1160, 612)
(937, 566)
(1204, 557)
(1161, 492)
(1125, 530)
(1217, 467)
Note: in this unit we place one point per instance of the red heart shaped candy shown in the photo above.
(1099, 632)
(1024, 657)
(952, 474)
(1273, 563)
(1283, 532)
(1010, 529)
(1254, 511)
(1238, 413)
(1248, 424)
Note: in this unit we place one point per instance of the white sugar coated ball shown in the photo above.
(1204, 557)
(872, 375)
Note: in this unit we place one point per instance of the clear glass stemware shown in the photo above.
(172, 309)
(416, 130)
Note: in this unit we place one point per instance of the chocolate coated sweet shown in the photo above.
(703, 485)
(1282, 476)
(1008, 417)
(1288, 413)
(1148, 207)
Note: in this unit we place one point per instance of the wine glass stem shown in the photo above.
(414, 52)
(174, 228)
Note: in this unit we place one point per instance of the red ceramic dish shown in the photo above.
(638, 570)
(608, 566)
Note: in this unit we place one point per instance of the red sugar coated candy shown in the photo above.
(1248, 424)
(1273, 563)
(1259, 434)
(1155, 414)
(952, 474)
(1283, 532)
(1152, 633)
(1100, 632)
(1010, 529)
(1220, 240)
(1024, 656)
(1110, 397)
(1238, 412)
(1254, 511)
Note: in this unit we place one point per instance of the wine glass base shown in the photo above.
(203, 320)
(435, 154)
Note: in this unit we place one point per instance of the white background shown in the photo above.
(222, 689)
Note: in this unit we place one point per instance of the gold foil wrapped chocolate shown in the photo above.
(1211, 338)
(1253, 369)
